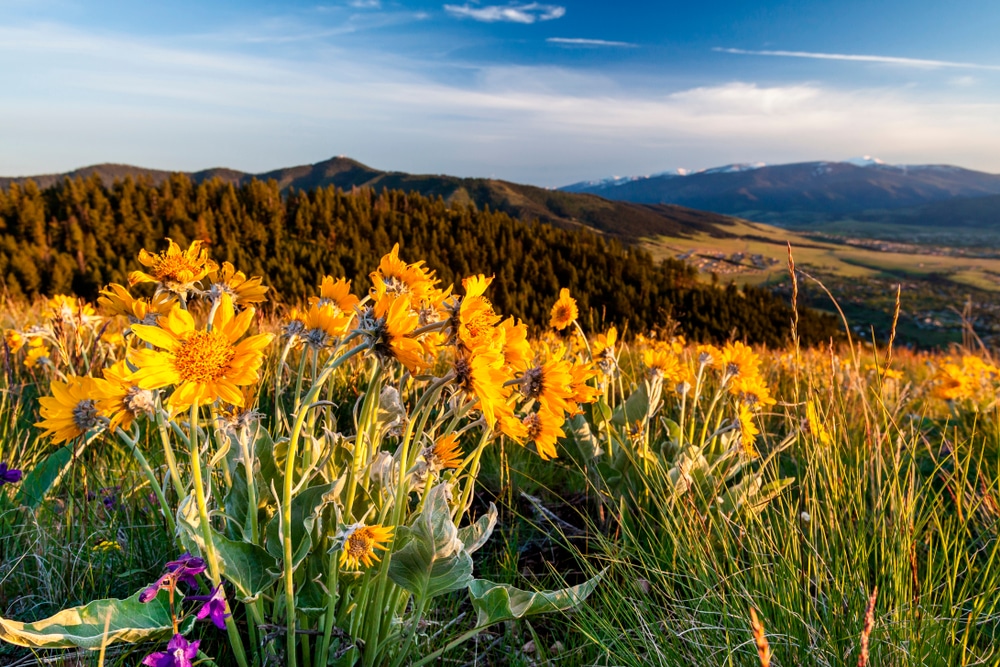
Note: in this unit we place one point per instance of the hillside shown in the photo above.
(807, 192)
(628, 221)
(78, 235)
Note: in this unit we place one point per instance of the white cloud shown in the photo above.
(513, 13)
(887, 60)
(71, 99)
(581, 41)
(365, 4)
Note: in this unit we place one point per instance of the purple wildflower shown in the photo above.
(9, 475)
(180, 652)
(182, 570)
(214, 607)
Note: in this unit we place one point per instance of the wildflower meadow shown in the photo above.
(192, 472)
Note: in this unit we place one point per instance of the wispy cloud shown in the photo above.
(513, 13)
(365, 4)
(582, 41)
(888, 60)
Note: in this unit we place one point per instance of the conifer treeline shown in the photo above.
(79, 235)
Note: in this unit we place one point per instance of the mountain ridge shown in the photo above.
(801, 192)
(625, 220)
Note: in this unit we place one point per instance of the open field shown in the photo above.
(361, 482)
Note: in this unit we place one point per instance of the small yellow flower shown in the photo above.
(564, 311)
(177, 270)
(738, 359)
(14, 340)
(445, 453)
(544, 428)
(360, 543)
(482, 376)
(477, 322)
(235, 283)
(517, 352)
(391, 334)
(71, 410)
(604, 351)
(816, 427)
(399, 278)
(120, 399)
(106, 546)
(37, 353)
(551, 384)
(116, 300)
(748, 430)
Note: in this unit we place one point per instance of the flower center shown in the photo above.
(85, 415)
(563, 314)
(359, 543)
(175, 268)
(204, 357)
(534, 424)
(532, 383)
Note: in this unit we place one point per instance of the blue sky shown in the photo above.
(539, 92)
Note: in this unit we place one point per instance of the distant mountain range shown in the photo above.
(626, 220)
(810, 192)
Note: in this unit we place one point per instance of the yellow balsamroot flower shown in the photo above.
(663, 363)
(544, 428)
(477, 322)
(71, 410)
(37, 353)
(952, 383)
(517, 352)
(336, 293)
(396, 277)
(393, 326)
(360, 543)
(120, 399)
(604, 353)
(322, 324)
(445, 453)
(69, 310)
(481, 375)
(14, 340)
(707, 355)
(551, 385)
(581, 391)
(177, 270)
(235, 283)
(751, 390)
(748, 430)
(738, 359)
(116, 300)
(564, 311)
(203, 365)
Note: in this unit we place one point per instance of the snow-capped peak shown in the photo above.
(864, 161)
(734, 168)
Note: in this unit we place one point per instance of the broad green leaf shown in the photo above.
(502, 602)
(83, 627)
(37, 483)
(581, 437)
(475, 535)
(434, 561)
(251, 569)
(306, 508)
(635, 407)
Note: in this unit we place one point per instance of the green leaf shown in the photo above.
(83, 627)
(251, 569)
(502, 602)
(634, 408)
(306, 508)
(434, 561)
(43, 476)
(579, 433)
(475, 535)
